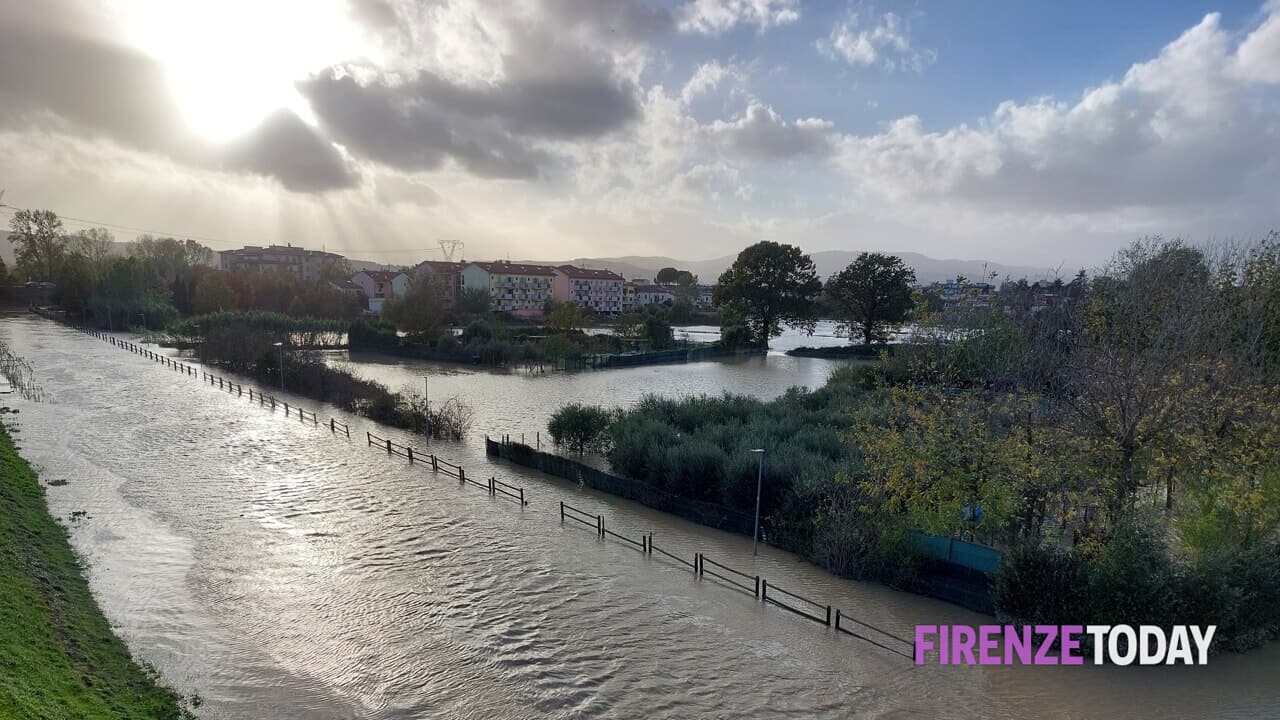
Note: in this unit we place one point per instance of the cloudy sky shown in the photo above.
(1032, 133)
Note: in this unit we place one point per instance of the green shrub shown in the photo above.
(1041, 583)
(447, 342)
(581, 428)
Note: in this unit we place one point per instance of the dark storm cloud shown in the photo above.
(99, 90)
(103, 89)
(628, 19)
(491, 130)
(397, 127)
(289, 150)
(559, 82)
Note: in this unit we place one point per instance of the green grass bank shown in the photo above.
(58, 655)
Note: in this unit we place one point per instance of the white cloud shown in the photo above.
(708, 77)
(760, 133)
(711, 17)
(885, 41)
(1181, 132)
(1258, 58)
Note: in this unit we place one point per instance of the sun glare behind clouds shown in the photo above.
(234, 62)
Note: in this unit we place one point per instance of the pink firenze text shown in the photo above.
(1062, 644)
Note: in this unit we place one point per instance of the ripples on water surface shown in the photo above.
(283, 573)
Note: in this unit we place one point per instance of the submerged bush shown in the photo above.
(581, 428)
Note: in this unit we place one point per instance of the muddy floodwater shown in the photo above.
(282, 572)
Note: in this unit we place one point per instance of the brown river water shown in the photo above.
(282, 572)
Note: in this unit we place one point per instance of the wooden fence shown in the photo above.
(704, 567)
(492, 485)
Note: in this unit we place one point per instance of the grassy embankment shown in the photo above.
(58, 655)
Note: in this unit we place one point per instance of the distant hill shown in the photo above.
(827, 262)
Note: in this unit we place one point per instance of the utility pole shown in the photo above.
(281, 346)
(755, 530)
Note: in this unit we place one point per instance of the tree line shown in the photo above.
(154, 280)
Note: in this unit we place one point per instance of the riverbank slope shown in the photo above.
(58, 655)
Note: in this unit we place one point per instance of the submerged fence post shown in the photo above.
(837, 619)
(758, 589)
(332, 429)
(388, 445)
(522, 502)
(410, 456)
(764, 589)
(828, 616)
(435, 466)
(650, 542)
(368, 436)
(562, 511)
(600, 525)
(491, 481)
(462, 475)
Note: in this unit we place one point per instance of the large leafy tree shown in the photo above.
(94, 245)
(422, 309)
(212, 292)
(39, 243)
(768, 285)
(566, 317)
(666, 276)
(872, 295)
(473, 301)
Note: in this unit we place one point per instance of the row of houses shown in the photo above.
(523, 288)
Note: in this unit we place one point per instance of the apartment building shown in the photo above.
(447, 274)
(300, 262)
(513, 287)
(653, 295)
(600, 291)
(381, 285)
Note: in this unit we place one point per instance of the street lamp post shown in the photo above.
(755, 530)
(281, 346)
(426, 396)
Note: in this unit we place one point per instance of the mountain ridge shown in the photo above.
(827, 263)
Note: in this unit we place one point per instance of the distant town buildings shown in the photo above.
(600, 291)
(513, 287)
(300, 262)
(703, 300)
